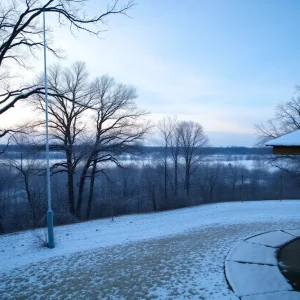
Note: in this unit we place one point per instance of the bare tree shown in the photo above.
(150, 184)
(213, 178)
(73, 96)
(191, 140)
(234, 174)
(168, 128)
(165, 128)
(21, 36)
(118, 125)
(27, 166)
(7, 185)
(285, 120)
(209, 179)
(175, 152)
(8, 134)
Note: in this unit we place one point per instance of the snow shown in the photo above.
(252, 253)
(176, 254)
(15, 249)
(252, 269)
(295, 232)
(248, 279)
(290, 139)
(290, 295)
(271, 239)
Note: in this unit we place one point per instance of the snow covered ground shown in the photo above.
(169, 255)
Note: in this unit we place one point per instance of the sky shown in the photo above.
(223, 63)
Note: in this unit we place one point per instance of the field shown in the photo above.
(168, 255)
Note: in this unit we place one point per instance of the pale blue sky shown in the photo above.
(225, 64)
(229, 62)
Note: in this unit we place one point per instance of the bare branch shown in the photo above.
(21, 33)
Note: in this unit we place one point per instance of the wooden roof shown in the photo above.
(287, 144)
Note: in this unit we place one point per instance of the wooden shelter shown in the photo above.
(287, 144)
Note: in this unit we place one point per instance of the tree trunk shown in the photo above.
(176, 176)
(211, 193)
(153, 198)
(166, 170)
(30, 200)
(81, 188)
(125, 185)
(233, 192)
(91, 192)
(70, 183)
(187, 180)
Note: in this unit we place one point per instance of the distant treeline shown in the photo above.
(220, 150)
(12, 150)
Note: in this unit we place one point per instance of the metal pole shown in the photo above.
(49, 212)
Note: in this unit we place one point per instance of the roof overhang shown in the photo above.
(286, 150)
(287, 144)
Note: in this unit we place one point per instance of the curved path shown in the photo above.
(171, 255)
(252, 268)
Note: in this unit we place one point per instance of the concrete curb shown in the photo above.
(252, 270)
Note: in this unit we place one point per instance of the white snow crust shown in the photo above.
(249, 279)
(252, 253)
(290, 139)
(289, 295)
(271, 239)
(177, 254)
(295, 232)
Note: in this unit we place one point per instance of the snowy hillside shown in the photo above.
(176, 254)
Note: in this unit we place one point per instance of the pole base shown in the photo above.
(50, 229)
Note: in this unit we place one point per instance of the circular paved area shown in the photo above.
(252, 268)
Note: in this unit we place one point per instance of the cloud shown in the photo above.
(170, 84)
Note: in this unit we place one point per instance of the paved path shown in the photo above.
(252, 268)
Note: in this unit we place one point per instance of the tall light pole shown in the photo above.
(49, 212)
